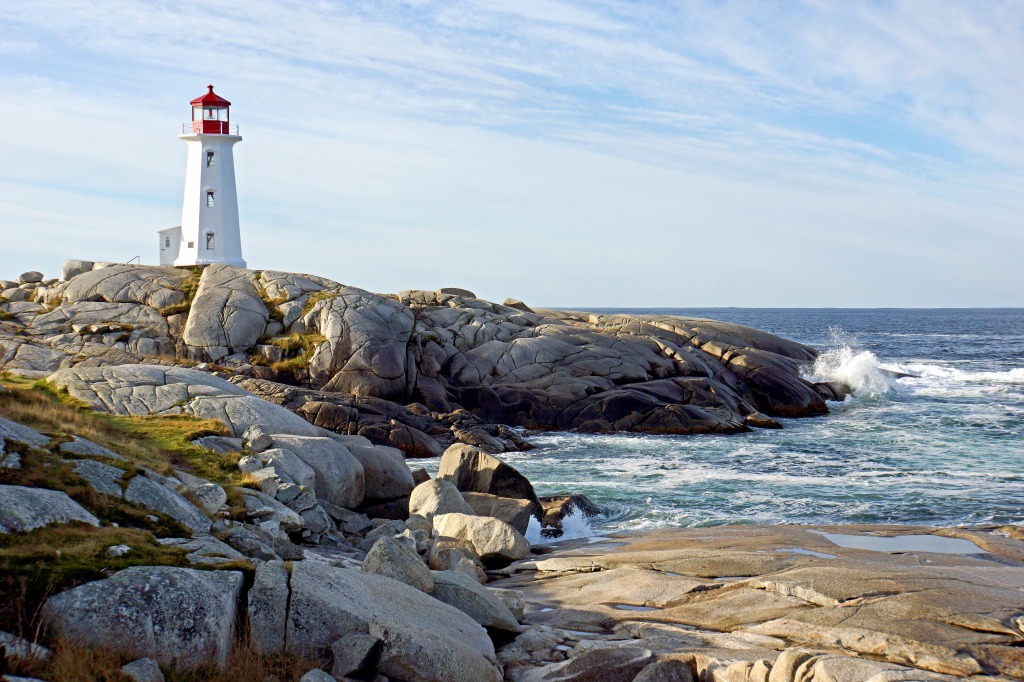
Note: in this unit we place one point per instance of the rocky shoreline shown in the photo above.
(218, 468)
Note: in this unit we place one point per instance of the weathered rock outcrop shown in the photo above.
(23, 509)
(360, 358)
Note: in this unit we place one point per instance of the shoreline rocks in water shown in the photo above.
(311, 532)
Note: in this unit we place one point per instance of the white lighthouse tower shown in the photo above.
(209, 216)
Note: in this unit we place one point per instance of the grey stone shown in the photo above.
(316, 675)
(102, 477)
(455, 559)
(177, 616)
(289, 467)
(514, 512)
(152, 286)
(471, 469)
(391, 558)
(437, 497)
(23, 509)
(339, 475)
(268, 512)
(421, 638)
(86, 448)
(491, 539)
(268, 607)
(15, 432)
(15, 295)
(115, 551)
(349, 522)
(227, 313)
(267, 480)
(73, 268)
(610, 664)
(467, 595)
(255, 439)
(155, 496)
(386, 475)
(16, 648)
(351, 652)
(204, 550)
(30, 277)
(143, 670)
(455, 291)
(670, 670)
(367, 341)
(514, 600)
(249, 464)
(211, 497)
(221, 444)
(316, 520)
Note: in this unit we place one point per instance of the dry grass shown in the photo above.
(161, 443)
(75, 663)
(303, 344)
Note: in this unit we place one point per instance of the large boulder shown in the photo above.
(153, 286)
(469, 596)
(494, 541)
(23, 509)
(514, 512)
(420, 639)
(340, 478)
(151, 494)
(367, 342)
(227, 315)
(436, 496)
(387, 476)
(178, 616)
(471, 469)
(395, 559)
(268, 607)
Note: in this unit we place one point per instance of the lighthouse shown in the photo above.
(209, 216)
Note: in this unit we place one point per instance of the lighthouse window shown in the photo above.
(209, 241)
(209, 159)
(209, 198)
(167, 242)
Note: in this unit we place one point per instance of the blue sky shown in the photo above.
(602, 153)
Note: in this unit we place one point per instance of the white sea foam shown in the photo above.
(574, 526)
(844, 362)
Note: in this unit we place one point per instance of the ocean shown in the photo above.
(945, 447)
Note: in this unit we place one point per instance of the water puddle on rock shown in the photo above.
(906, 543)
(633, 607)
(808, 552)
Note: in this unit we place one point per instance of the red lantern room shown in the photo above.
(210, 114)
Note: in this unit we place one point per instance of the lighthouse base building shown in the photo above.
(209, 231)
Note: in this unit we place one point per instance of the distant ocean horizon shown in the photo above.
(945, 447)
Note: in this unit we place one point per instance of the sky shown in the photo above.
(800, 153)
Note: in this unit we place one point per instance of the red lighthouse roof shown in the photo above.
(211, 99)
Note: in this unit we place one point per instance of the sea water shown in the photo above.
(944, 447)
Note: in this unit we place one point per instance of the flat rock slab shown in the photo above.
(16, 433)
(178, 616)
(23, 509)
(783, 586)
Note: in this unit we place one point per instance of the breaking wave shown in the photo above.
(574, 526)
(846, 363)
